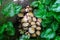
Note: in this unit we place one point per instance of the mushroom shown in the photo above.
(30, 9)
(39, 20)
(30, 14)
(23, 10)
(32, 23)
(25, 28)
(20, 15)
(38, 28)
(34, 26)
(34, 19)
(38, 33)
(27, 10)
(31, 30)
(34, 35)
(25, 24)
(38, 23)
(27, 33)
(24, 19)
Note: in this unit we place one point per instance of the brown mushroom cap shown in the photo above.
(39, 20)
(30, 14)
(38, 33)
(34, 26)
(38, 23)
(32, 23)
(38, 28)
(34, 35)
(20, 15)
(25, 24)
(34, 19)
(31, 30)
(25, 28)
(23, 10)
(27, 33)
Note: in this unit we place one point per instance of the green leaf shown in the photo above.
(34, 4)
(56, 6)
(11, 9)
(57, 38)
(54, 26)
(46, 2)
(24, 37)
(0, 2)
(40, 13)
(46, 22)
(48, 33)
(10, 29)
(57, 16)
(2, 28)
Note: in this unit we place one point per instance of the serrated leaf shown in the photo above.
(11, 9)
(48, 33)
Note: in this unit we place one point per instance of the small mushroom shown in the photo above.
(30, 14)
(31, 30)
(39, 20)
(34, 26)
(27, 33)
(34, 35)
(23, 10)
(38, 28)
(20, 15)
(24, 19)
(30, 9)
(29, 21)
(38, 33)
(28, 17)
(32, 23)
(38, 23)
(34, 19)
(25, 24)
(25, 28)
(28, 6)
(27, 9)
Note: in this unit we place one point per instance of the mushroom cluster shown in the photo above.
(29, 24)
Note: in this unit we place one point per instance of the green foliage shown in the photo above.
(56, 6)
(2, 28)
(0, 2)
(57, 38)
(49, 33)
(7, 27)
(49, 12)
(24, 37)
(11, 9)
(10, 29)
